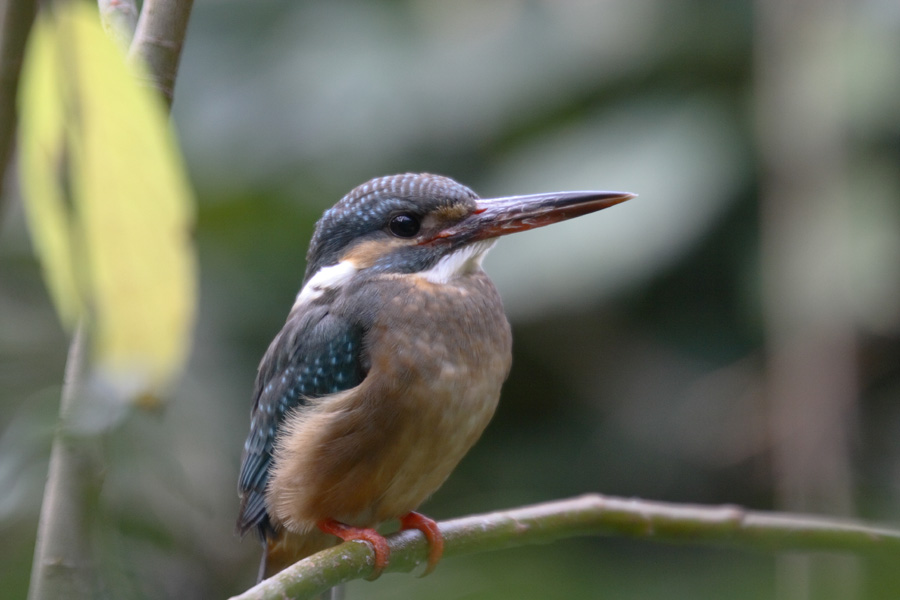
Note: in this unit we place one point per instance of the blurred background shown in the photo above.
(730, 336)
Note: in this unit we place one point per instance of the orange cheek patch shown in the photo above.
(366, 254)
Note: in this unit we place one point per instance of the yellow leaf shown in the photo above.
(42, 163)
(129, 248)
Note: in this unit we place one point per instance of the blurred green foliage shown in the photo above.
(639, 348)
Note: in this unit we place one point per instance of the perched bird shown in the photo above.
(389, 366)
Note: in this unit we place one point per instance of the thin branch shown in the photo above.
(63, 567)
(158, 41)
(17, 17)
(582, 516)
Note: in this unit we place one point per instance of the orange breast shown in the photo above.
(438, 357)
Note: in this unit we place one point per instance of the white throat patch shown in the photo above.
(459, 262)
(326, 278)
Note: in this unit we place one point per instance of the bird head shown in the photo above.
(427, 224)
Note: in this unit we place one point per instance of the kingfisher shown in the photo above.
(389, 365)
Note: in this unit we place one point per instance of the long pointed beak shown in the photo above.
(501, 216)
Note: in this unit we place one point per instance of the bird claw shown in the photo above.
(364, 534)
(412, 520)
(432, 533)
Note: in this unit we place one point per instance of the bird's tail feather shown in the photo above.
(283, 548)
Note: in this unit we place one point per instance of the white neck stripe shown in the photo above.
(326, 278)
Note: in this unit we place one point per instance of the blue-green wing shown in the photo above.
(314, 355)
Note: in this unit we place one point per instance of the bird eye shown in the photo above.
(404, 225)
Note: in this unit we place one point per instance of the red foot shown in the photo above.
(428, 527)
(365, 534)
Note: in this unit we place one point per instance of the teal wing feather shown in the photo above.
(316, 354)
